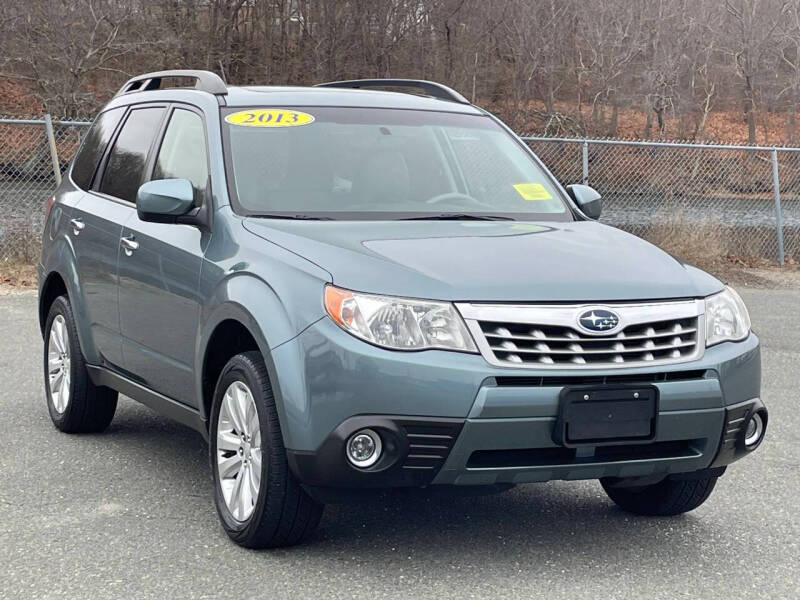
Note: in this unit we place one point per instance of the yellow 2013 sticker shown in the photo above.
(532, 191)
(270, 117)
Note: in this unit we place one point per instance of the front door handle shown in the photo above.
(129, 244)
(77, 226)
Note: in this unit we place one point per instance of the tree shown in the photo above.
(60, 48)
(751, 28)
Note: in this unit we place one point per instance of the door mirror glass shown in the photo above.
(163, 200)
(587, 198)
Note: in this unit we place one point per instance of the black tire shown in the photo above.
(666, 498)
(283, 514)
(89, 408)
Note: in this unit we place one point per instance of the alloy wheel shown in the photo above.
(58, 364)
(239, 451)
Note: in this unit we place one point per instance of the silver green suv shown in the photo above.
(344, 288)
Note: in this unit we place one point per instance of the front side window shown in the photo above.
(183, 153)
(94, 146)
(356, 163)
(125, 168)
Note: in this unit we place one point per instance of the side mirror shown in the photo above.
(164, 200)
(588, 199)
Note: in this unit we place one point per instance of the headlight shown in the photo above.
(398, 323)
(726, 317)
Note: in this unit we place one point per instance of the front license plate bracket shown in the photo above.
(606, 415)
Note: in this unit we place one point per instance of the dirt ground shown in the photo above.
(757, 274)
(16, 278)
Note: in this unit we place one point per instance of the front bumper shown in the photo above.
(499, 421)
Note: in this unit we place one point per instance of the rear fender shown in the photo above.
(58, 257)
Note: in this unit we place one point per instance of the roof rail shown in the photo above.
(205, 81)
(431, 88)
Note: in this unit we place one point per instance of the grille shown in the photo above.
(539, 381)
(549, 336)
(538, 457)
(516, 343)
(734, 424)
(429, 445)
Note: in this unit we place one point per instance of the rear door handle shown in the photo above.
(77, 226)
(129, 244)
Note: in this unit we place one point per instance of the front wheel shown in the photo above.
(666, 498)
(260, 503)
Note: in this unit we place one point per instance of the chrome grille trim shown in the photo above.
(539, 336)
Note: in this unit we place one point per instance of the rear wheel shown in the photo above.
(666, 498)
(75, 404)
(260, 503)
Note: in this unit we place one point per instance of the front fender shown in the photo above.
(273, 292)
(251, 301)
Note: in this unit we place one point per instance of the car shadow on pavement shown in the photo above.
(550, 522)
(554, 521)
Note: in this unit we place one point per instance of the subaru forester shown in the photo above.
(350, 286)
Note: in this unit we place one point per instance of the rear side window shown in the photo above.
(123, 173)
(94, 146)
(183, 153)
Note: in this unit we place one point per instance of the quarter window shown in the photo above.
(94, 146)
(183, 153)
(123, 173)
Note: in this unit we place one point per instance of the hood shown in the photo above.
(489, 261)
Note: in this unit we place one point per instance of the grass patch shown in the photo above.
(18, 275)
(711, 243)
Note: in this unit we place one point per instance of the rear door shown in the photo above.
(159, 279)
(95, 225)
(98, 219)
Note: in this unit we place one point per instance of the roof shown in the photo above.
(321, 96)
(288, 96)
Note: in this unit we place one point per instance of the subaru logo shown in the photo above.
(598, 320)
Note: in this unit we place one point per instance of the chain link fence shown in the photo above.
(695, 200)
(28, 178)
(699, 201)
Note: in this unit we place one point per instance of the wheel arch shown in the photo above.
(232, 330)
(244, 308)
(64, 281)
(58, 274)
(228, 338)
(52, 287)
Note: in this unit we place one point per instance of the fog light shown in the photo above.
(364, 448)
(754, 431)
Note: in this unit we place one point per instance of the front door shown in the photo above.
(159, 271)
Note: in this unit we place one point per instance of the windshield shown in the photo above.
(356, 163)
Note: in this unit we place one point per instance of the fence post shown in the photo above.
(585, 162)
(778, 217)
(51, 140)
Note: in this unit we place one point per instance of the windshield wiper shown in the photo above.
(293, 217)
(457, 217)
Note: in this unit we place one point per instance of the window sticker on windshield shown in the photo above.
(532, 191)
(269, 117)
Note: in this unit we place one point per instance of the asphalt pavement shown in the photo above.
(128, 513)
